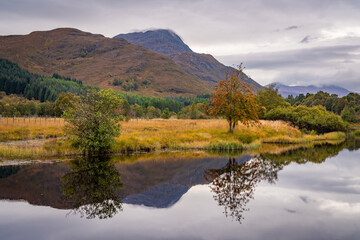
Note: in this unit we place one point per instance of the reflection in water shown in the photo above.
(91, 187)
(234, 184)
(316, 154)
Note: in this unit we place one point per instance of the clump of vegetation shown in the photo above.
(309, 118)
(269, 98)
(13, 105)
(129, 84)
(234, 100)
(93, 121)
(152, 112)
(348, 114)
(166, 114)
(193, 111)
(333, 103)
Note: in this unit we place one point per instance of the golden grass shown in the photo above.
(30, 128)
(333, 136)
(155, 134)
(35, 149)
(152, 135)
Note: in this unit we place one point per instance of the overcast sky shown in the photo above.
(296, 42)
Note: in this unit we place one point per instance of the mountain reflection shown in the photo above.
(91, 187)
(234, 185)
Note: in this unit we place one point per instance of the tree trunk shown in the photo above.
(231, 126)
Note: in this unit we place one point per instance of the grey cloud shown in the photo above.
(305, 39)
(290, 210)
(310, 57)
(201, 22)
(337, 65)
(291, 28)
(212, 24)
(304, 199)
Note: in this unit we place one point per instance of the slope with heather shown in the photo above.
(99, 61)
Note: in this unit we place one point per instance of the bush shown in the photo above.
(93, 121)
(308, 118)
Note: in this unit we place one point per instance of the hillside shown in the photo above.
(201, 66)
(99, 61)
(285, 90)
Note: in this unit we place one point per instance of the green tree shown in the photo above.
(348, 114)
(64, 101)
(166, 114)
(136, 111)
(93, 121)
(234, 100)
(270, 98)
(152, 112)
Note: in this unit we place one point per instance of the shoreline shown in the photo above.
(141, 135)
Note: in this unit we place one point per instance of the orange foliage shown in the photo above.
(234, 100)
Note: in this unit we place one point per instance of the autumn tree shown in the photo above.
(234, 100)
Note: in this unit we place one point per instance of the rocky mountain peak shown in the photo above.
(163, 41)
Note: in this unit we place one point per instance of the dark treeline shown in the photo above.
(14, 80)
(173, 104)
(45, 89)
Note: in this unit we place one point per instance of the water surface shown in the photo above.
(301, 194)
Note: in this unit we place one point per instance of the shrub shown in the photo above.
(309, 118)
(92, 121)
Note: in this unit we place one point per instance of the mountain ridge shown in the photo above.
(285, 90)
(202, 66)
(164, 41)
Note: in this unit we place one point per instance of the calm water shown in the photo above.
(302, 194)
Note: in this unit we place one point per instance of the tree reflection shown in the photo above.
(315, 154)
(91, 187)
(234, 184)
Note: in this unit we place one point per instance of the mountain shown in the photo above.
(285, 90)
(201, 66)
(100, 61)
(162, 41)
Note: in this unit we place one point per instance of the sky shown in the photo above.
(289, 41)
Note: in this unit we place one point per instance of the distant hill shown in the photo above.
(285, 90)
(100, 61)
(201, 66)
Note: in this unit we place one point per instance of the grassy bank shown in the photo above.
(212, 134)
(45, 138)
(29, 128)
